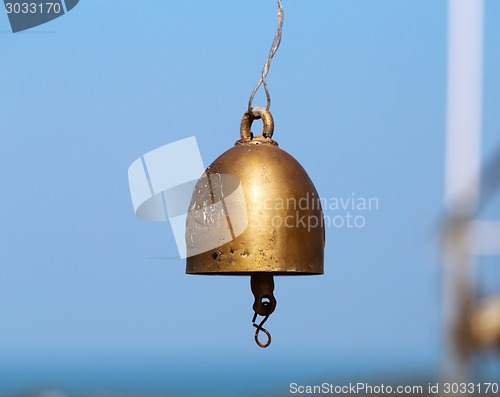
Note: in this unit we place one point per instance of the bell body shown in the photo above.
(269, 211)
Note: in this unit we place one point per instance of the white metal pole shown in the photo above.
(463, 161)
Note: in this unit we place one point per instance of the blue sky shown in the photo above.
(359, 98)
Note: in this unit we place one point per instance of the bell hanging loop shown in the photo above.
(255, 114)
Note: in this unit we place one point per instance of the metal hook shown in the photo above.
(262, 288)
(260, 328)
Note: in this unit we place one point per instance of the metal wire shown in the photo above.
(267, 66)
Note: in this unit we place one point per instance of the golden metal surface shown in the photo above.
(284, 233)
(484, 323)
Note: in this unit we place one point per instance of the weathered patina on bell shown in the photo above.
(255, 212)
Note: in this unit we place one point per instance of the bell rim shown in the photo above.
(247, 273)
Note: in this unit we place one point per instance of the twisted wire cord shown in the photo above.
(267, 66)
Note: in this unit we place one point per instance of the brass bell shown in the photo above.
(255, 212)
